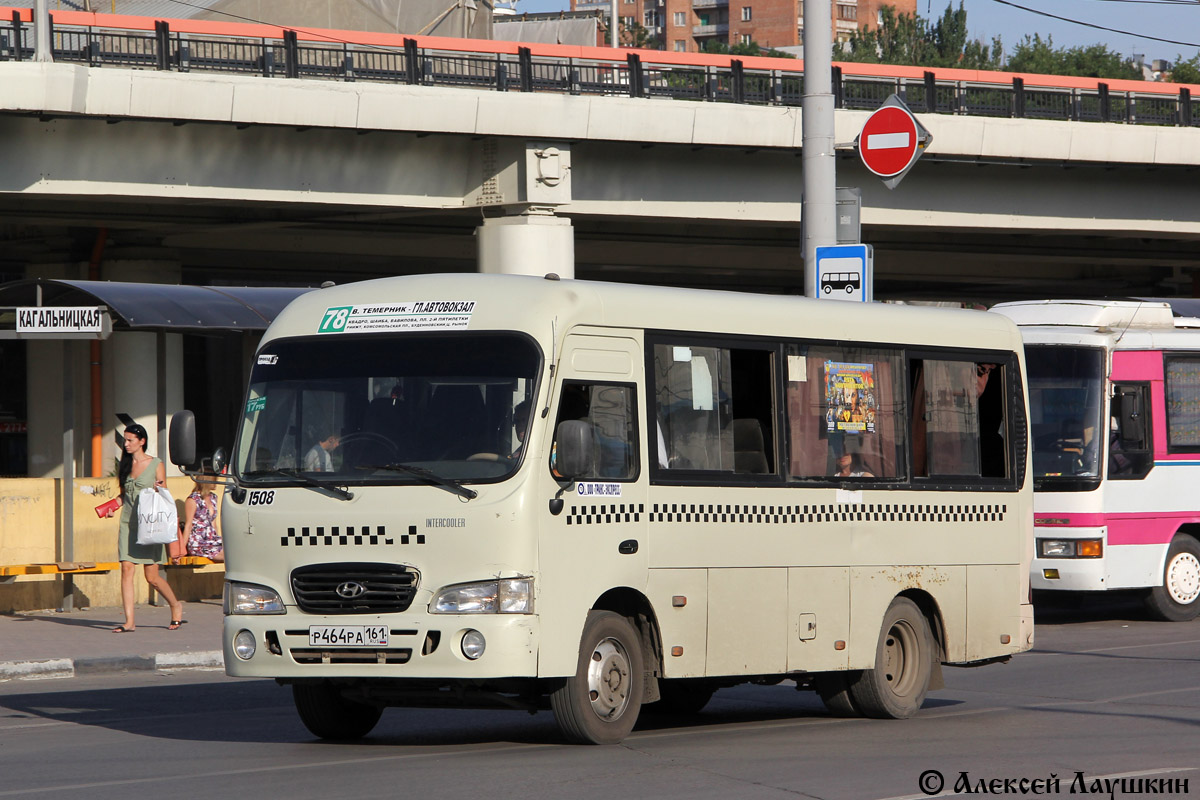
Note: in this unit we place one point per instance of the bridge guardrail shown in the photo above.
(485, 65)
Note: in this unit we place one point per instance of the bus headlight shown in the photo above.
(1070, 548)
(502, 596)
(250, 598)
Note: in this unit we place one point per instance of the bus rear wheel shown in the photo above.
(328, 714)
(1178, 598)
(600, 703)
(834, 690)
(896, 686)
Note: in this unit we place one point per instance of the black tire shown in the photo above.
(828, 289)
(895, 688)
(1177, 599)
(682, 697)
(834, 690)
(329, 715)
(600, 703)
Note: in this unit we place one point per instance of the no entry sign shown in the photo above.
(891, 141)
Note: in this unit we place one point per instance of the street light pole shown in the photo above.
(41, 25)
(818, 208)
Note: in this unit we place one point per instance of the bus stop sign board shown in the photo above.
(845, 272)
(891, 141)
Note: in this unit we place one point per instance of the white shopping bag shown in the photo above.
(157, 522)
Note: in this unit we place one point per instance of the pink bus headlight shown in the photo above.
(1070, 548)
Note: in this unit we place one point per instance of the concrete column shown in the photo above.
(134, 385)
(529, 244)
(130, 363)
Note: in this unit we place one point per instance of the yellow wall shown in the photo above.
(31, 533)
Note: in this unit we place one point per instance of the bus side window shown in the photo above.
(846, 413)
(609, 411)
(959, 422)
(1129, 453)
(714, 409)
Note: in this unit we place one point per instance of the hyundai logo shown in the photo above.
(350, 590)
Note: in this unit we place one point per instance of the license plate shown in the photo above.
(347, 636)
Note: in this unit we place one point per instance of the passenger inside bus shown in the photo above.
(850, 465)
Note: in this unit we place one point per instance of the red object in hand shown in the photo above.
(104, 509)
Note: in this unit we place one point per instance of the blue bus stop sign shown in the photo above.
(844, 272)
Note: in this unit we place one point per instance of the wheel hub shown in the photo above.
(608, 679)
(897, 667)
(1183, 578)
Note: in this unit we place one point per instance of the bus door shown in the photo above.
(594, 539)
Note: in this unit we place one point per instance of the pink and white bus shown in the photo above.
(1114, 402)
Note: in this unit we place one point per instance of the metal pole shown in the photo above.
(68, 471)
(160, 398)
(41, 25)
(818, 206)
(614, 32)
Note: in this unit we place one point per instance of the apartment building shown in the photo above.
(687, 25)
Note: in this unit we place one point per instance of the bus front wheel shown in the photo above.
(600, 703)
(329, 715)
(895, 687)
(1178, 598)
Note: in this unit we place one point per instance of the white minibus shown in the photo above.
(517, 492)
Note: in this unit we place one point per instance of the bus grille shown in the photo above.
(353, 588)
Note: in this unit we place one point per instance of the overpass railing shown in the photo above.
(273, 52)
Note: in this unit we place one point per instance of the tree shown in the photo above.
(635, 35)
(908, 39)
(751, 48)
(1037, 55)
(1186, 71)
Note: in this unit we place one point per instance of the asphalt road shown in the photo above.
(1106, 694)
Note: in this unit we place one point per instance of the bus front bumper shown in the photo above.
(1073, 572)
(418, 646)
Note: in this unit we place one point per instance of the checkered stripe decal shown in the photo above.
(334, 535)
(605, 514)
(830, 512)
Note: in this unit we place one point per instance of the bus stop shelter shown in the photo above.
(72, 310)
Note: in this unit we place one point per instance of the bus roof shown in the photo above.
(547, 307)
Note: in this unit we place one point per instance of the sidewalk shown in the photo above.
(51, 644)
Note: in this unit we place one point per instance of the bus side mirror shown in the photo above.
(1133, 424)
(575, 451)
(219, 461)
(182, 439)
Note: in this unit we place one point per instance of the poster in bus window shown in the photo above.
(849, 397)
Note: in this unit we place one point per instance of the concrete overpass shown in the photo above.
(237, 177)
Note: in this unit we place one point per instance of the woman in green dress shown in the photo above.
(139, 470)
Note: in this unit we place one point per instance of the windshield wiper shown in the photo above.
(448, 484)
(308, 481)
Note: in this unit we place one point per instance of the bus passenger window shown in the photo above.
(959, 426)
(845, 413)
(714, 409)
(609, 411)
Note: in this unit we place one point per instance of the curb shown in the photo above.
(70, 668)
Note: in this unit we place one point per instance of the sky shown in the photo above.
(1177, 20)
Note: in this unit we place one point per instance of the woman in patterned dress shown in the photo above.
(139, 470)
(200, 525)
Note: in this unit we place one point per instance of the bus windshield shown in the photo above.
(1065, 404)
(413, 408)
